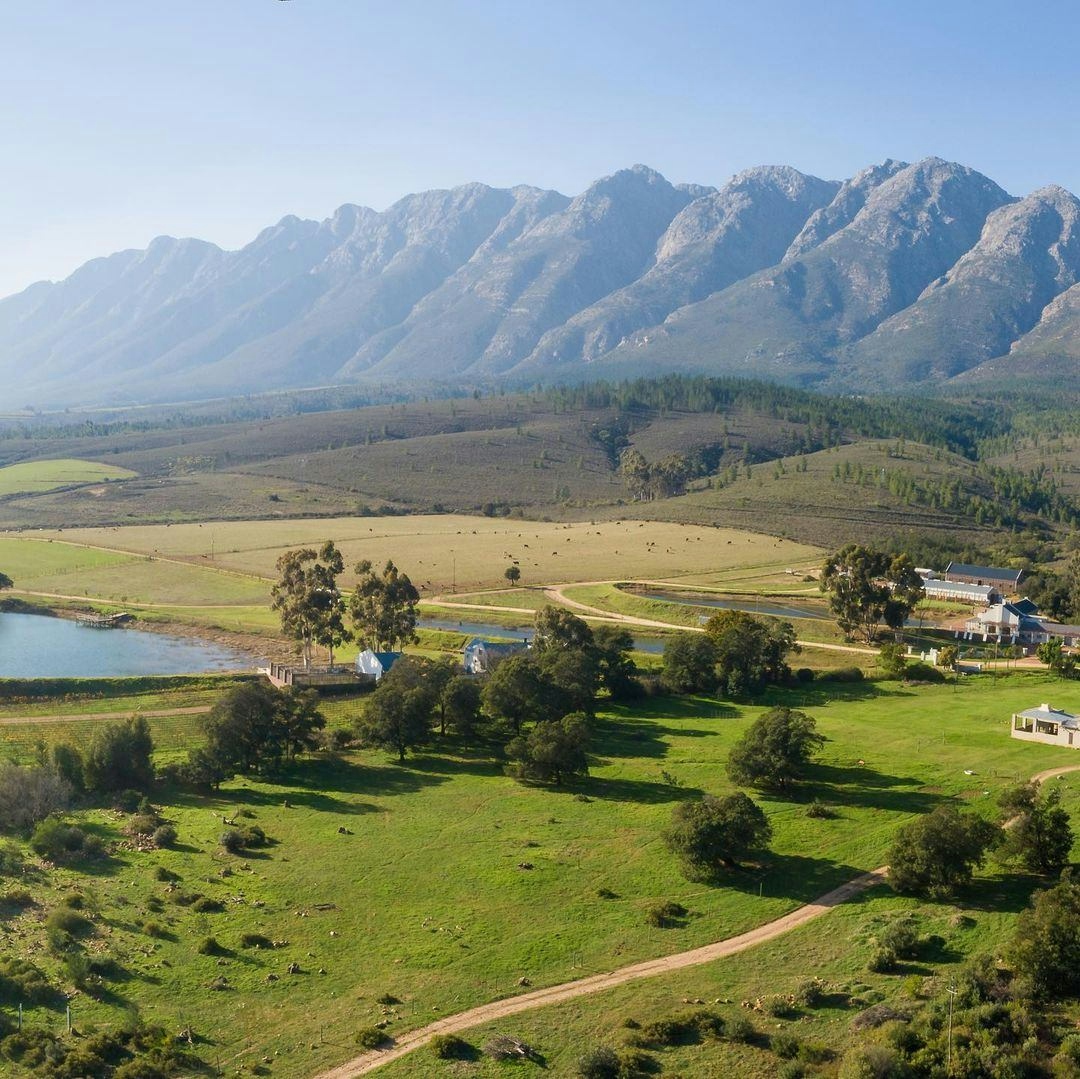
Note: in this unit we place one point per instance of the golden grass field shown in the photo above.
(439, 552)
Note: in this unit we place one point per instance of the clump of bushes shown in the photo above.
(210, 946)
(599, 1063)
(811, 993)
(155, 930)
(842, 674)
(143, 823)
(21, 981)
(163, 874)
(450, 1047)
(54, 839)
(784, 1044)
(207, 905)
(237, 840)
(255, 940)
(63, 926)
(371, 1038)
(665, 915)
(740, 1029)
(818, 810)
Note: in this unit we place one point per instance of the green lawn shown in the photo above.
(36, 476)
(430, 904)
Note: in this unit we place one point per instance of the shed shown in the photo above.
(1051, 726)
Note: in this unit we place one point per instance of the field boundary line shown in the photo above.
(75, 717)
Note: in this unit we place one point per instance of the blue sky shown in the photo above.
(121, 120)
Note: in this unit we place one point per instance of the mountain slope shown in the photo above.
(787, 322)
(898, 277)
(1029, 252)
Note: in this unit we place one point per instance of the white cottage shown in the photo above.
(1051, 726)
(375, 664)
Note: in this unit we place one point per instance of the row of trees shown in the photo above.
(738, 654)
(382, 608)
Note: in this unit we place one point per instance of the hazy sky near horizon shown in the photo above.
(123, 120)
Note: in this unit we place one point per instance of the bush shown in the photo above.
(665, 915)
(255, 940)
(740, 1029)
(232, 841)
(882, 961)
(30, 795)
(155, 930)
(210, 946)
(842, 674)
(869, 1062)
(237, 840)
(790, 1069)
(599, 1063)
(450, 1047)
(163, 874)
(53, 839)
(784, 1044)
(127, 801)
(74, 901)
(143, 824)
(804, 674)
(901, 937)
(674, 1030)
(22, 982)
(778, 1007)
(371, 1038)
(63, 926)
(164, 836)
(811, 993)
(207, 905)
(818, 810)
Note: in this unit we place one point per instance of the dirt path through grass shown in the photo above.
(501, 1009)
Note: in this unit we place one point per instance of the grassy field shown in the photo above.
(427, 900)
(37, 476)
(439, 551)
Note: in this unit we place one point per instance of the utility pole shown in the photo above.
(952, 996)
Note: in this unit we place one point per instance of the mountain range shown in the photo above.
(903, 277)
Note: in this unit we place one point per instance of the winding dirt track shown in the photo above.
(555, 994)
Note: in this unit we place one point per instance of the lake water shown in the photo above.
(34, 646)
(770, 606)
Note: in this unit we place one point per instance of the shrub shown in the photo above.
(63, 926)
(784, 1044)
(143, 824)
(779, 1007)
(155, 904)
(818, 810)
(127, 801)
(74, 900)
(92, 846)
(450, 1047)
(673, 1030)
(740, 1029)
(811, 993)
(163, 874)
(901, 937)
(30, 795)
(707, 1023)
(633, 1063)
(842, 674)
(207, 905)
(255, 940)
(232, 841)
(804, 674)
(53, 839)
(869, 1062)
(664, 915)
(164, 836)
(790, 1069)
(599, 1063)
(210, 946)
(371, 1038)
(882, 961)
(155, 930)
(21, 981)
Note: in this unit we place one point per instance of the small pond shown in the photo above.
(488, 629)
(34, 646)
(766, 605)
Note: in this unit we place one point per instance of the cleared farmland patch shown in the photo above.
(50, 474)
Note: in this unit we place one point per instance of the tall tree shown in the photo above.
(635, 473)
(714, 833)
(938, 852)
(689, 663)
(308, 600)
(552, 751)
(119, 757)
(398, 714)
(460, 705)
(1037, 830)
(775, 750)
(615, 669)
(384, 607)
(1046, 947)
(558, 630)
(517, 693)
(867, 587)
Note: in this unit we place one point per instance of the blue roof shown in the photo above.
(387, 658)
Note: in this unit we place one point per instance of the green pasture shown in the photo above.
(429, 902)
(34, 476)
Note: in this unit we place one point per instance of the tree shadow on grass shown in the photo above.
(631, 737)
(822, 692)
(642, 791)
(839, 786)
(1008, 892)
(792, 876)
